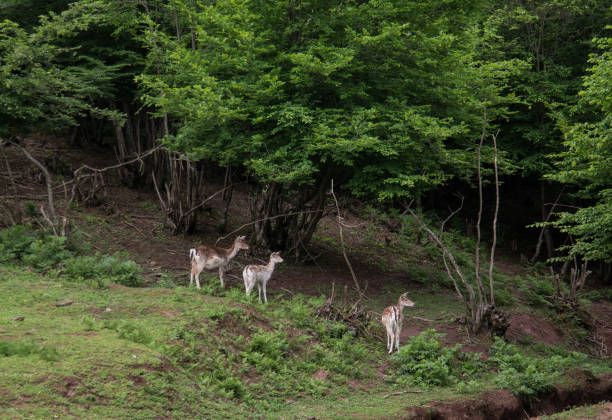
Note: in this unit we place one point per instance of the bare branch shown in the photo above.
(339, 219)
(49, 181)
(266, 218)
(119, 165)
(457, 269)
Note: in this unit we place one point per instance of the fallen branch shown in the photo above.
(135, 228)
(422, 319)
(403, 392)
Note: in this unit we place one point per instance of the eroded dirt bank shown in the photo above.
(502, 404)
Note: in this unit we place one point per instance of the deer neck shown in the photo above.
(270, 266)
(233, 251)
(400, 311)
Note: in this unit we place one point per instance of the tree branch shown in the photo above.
(339, 219)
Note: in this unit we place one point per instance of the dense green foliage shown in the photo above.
(22, 245)
(389, 98)
(587, 162)
(423, 361)
(385, 95)
(529, 375)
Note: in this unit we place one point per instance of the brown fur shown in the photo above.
(392, 318)
(260, 274)
(211, 257)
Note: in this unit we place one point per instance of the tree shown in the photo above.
(554, 37)
(381, 96)
(587, 162)
(47, 86)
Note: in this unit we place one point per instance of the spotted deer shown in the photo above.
(392, 318)
(260, 274)
(210, 257)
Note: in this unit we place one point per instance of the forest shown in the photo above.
(454, 154)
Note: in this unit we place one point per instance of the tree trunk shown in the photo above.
(548, 239)
(227, 197)
(285, 218)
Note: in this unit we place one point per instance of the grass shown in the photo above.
(172, 351)
(148, 352)
(177, 352)
(587, 412)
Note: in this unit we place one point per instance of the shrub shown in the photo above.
(99, 270)
(266, 350)
(47, 252)
(14, 242)
(24, 348)
(526, 375)
(233, 387)
(423, 361)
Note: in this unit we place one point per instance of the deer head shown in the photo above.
(404, 301)
(275, 257)
(241, 243)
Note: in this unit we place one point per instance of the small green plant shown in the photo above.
(539, 290)
(47, 252)
(14, 243)
(424, 362)
(30, 209)
(133, 332)
(233, 387)
(26, 348)
(101, 269)
(526, 375)
(266, 350)
(148, 205)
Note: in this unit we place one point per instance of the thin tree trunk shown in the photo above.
(479, 219)
(545, 218)
(550, 246)
(492, 261)
(227, 197)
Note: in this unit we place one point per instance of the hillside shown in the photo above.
(164, 350)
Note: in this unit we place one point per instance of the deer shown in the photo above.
(392, 318)
(211, 257)
(260, 274)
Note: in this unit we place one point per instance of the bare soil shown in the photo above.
(503, 405)
(531, 326)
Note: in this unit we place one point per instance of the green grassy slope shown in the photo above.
(148, 352)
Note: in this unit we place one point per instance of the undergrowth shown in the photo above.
(44, 252)
(424, 362)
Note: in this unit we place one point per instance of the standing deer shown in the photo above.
(210, 257)
(260, 274)
(392, 318)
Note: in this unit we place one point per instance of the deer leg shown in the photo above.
(221, 272)
(265, 296)
(397, 341)
(259, 289)
(197, 277)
